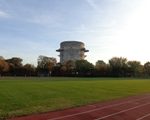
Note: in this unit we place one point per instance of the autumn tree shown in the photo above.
(58, 70)
(1, 58)
(4, 67)
(29, 70)
(101, 68)
(68, 68)
(46, 64)
(15, 65)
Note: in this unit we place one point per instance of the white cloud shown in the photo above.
(92, 4)
(45, 19)
(41, 19)
(3, 14)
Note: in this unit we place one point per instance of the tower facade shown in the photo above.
(71, 50)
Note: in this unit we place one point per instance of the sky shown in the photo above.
(109, 28)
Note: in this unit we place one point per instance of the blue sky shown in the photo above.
(29, 28)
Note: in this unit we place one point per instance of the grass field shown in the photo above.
(20, 96)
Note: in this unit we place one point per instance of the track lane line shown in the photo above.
(88, 111)
(122, 111)
(147, 115)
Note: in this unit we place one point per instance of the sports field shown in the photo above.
(20, 96)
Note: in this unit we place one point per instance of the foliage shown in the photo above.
(29, 70)
(147, 68)
(4, 67)
(118, 66)
(45, 65)
(135, 68)
(48, 66)
(15, 65)
(101, 68)
(83, 67)
(68, 68)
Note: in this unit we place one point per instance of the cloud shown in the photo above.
(45, 19)
(3, 14)
(92, 4)
(41, 19)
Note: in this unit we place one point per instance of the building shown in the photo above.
(72, 50)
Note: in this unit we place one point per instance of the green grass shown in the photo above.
(21, 96)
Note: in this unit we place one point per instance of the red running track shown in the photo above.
(131, 108)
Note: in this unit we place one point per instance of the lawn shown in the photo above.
(21, 96)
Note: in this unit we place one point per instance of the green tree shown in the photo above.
(147, 68)
(83, 67)
(135, 68)
(118, 66)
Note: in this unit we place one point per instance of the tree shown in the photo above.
(69, 67)
(118, 66)
(29, 70)
(15, 64)
(135, 68)
(46, 64)
(56, 71)
(4, 67)
(83, 67)
(1, 58)
(147, 68)
(101, 68)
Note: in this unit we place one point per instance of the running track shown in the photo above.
(131, 108)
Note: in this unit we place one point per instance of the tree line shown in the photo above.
(48, 66)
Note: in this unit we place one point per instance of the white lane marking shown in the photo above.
(122, 111)
(96, 109)
(147, 115)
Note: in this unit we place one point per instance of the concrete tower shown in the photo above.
(71, 50)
